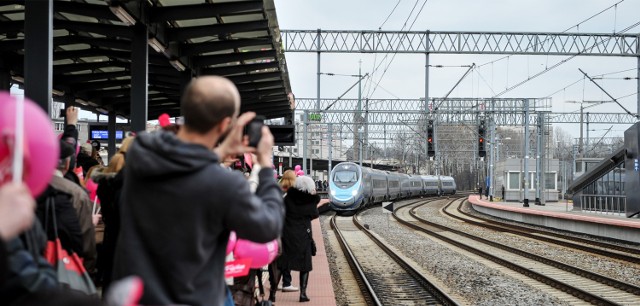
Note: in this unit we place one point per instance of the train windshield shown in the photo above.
(346, 175)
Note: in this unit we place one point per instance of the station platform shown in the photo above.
(560, 215)
(319, 288)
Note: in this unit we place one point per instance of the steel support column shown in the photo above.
(38, 51)
(318, 44)
(492, 160)
(426, 101)
(360, 118)
(526, 153)
(185, 79)
(5, 78)
(111, 129)
(330, 139)
(543, 156)
(139, 77)
(538, 158)
(586, 143)
(305, 122)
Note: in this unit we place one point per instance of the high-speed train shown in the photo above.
(352, 186)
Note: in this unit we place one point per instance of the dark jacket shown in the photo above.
(109, 190)
(83, 207)
(27, 273)
(301, 208)
(69, 230)
(177, 207)
(86, 162)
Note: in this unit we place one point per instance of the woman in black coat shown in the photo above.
(297, 243)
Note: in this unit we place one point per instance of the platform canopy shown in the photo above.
(92, 51)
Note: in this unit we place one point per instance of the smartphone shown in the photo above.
(63, 113)
(254, 131)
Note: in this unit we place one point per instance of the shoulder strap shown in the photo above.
(51, 207)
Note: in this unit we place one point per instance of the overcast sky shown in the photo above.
(405, 76)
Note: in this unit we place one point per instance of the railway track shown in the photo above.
(586, 245)
(581, 284)
(383, 276)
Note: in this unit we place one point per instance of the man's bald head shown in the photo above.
(207, 101)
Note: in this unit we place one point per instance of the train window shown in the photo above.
(379, 184)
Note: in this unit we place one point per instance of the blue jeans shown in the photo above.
(229, 300)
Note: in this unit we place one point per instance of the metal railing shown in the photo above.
(604, 204)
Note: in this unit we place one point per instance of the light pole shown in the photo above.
(581, 148)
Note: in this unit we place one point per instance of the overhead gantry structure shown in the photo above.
(379, 117)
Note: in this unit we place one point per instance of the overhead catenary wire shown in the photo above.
(610, 96)
(396, 53)
(375, 56)
(346, 91)
(391, 13)
(582, 78)
(367, 84)
(566, 30)
(562, 62)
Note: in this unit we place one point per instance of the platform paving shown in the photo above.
(560, 215)
(320, 288)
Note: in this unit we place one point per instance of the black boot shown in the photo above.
(304, 280)
(275, 280)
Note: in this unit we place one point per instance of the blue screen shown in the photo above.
(103, 134)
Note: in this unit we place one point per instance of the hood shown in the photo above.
(302, 198)
(162, 153)
(99, 174)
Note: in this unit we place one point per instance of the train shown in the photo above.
(352, 187)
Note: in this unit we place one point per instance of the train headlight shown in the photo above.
(333, 192)
(354, 192)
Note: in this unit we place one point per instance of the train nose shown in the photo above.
(345, 202)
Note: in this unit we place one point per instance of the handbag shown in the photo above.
(67, 265)
(243, 289)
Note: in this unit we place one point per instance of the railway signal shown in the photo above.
(481, 139)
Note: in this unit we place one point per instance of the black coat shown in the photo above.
(109, 189)
(300, 208)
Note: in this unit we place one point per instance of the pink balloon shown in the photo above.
(164, 120)
(297, 168)
(41, 147)
(231, 243)
(92, 187)
(300, 173)
(261, 254)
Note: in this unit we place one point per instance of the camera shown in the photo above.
(254, 130)
(63, 113)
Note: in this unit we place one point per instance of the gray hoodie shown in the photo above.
(178, 206)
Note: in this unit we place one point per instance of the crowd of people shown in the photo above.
(152, 227)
